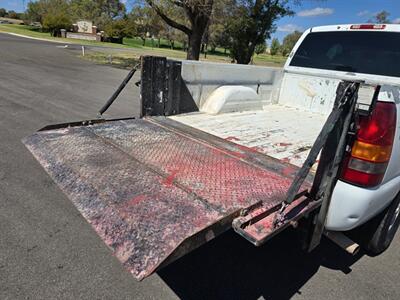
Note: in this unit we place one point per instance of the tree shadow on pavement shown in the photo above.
(229, 267)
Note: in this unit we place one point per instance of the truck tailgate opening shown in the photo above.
(153, 189)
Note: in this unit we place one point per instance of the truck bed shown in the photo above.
(153, 189)
(278, 131)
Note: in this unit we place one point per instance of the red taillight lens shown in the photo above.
(368, 26)
(361, 179)
(367, 163)
(379, 128)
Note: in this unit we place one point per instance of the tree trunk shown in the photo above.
(193, 52)
(143, 41)
(244, 56)
(198, 15)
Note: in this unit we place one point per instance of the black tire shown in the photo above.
(377, 234)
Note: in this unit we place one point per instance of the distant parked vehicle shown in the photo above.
(36, 24)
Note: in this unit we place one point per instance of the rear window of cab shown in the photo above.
(369, 52)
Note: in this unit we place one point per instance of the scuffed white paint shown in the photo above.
(281, 132)
(315, 94)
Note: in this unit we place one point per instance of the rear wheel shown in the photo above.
(377, 234)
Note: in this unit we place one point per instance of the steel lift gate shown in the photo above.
(154, 189)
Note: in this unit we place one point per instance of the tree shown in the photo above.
(144, 22)
(12, 14)
(197, 15)
(260, 48)
(289, 41)
(217, 36)
(3, 12)
(55, 21)
(101, 12)
(116, 30)
(251, 23)
(37, 10)
(381, 17)
(275, 47)
(21, 16)
(172, 35)
(216, 31)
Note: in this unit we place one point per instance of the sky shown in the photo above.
(316, 13)
(309, 14)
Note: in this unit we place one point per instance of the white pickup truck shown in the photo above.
(287, 126)
(156, 187)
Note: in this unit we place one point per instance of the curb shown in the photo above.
(35, 38)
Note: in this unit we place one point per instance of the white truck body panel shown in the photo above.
(288, 125)
(352, 206)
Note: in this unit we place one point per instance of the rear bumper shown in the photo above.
(352, 206)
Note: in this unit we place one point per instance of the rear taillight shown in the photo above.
(366, 164)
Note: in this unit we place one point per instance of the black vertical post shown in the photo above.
(161, 86)
(173, 87)
(152, 89)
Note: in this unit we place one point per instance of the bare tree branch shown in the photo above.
(168, 20)
(178, 3)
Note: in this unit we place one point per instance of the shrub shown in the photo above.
(54, 22)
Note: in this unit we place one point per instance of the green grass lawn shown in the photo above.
(151, 47)
(119, 60)
(151, 43)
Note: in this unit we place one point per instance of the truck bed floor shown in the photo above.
(154, 189)
(281, 132)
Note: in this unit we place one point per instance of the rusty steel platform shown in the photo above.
(154, 189)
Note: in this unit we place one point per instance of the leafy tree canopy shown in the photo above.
(251, 23)
(289, 41)
(275, 46)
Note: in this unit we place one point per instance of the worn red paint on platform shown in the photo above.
(282, 144)
(232, 139)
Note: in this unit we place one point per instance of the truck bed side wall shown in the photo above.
(171, 87)
(202, 78)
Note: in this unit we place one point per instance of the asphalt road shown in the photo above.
(48, 251)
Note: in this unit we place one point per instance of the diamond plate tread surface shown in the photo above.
(145, 188)
(224, 181)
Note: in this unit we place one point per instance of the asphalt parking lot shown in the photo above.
(48, 251)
